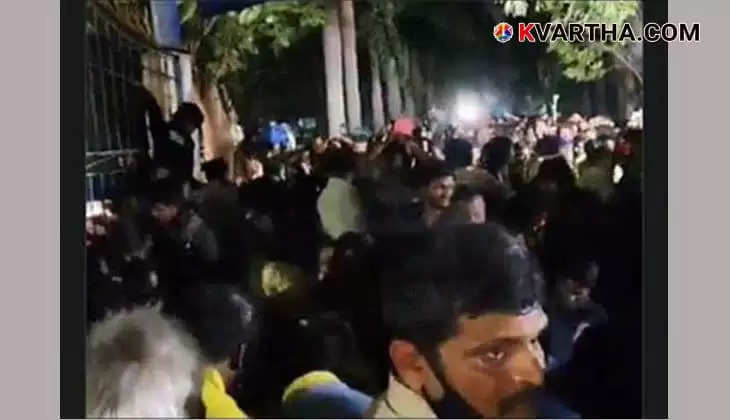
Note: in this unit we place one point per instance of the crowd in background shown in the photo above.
(338, 278)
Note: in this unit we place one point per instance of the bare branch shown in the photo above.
(209, 26)
(625, 62)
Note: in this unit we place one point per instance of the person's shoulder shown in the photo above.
(197, 227)
(379, 409)
(411, 210)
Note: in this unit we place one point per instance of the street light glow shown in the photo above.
(467, 109)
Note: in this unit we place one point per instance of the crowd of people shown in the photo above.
(465, 274)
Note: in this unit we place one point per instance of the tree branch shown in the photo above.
(209, 26)
(625, 62)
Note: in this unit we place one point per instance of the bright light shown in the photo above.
(94, 208)
(468, 109)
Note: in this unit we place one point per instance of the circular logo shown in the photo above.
(503, 32)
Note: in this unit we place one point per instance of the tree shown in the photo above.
(378, 27)
(588, 61)
(427, 30)
(332, 45)
(349, 54)
(419, 92)
(371, 31)
(221, 45)
(376, 90)
(392, 88)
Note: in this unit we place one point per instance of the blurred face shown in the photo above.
(163, 213)
(490, 367)
(439, 192)
(477, 210)
(319, 146)
(611, 145)
(253, 169)
(573, 295)
(567, 133)
(325, 258)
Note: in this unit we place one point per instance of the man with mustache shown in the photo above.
(463, 320)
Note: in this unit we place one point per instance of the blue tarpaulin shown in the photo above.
(209, 8)
(166, 17)
(166, 23)
(276, 135)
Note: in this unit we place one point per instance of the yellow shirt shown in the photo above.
(309, 381)
(218, 404)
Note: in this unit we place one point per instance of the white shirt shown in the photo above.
(399, 401)
(339, 209)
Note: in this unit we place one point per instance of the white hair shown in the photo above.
(141, 363)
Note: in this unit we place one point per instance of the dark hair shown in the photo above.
(215, 169)
(339, 162)
(556, 169)
(426, 173)
(189, 112)
(548, 146)
(325, 340)
(394, 149)
(634, 136)
(348, 254)
(217, 315)
(168, 191)
(591, 148)
(465, 193)
(458, 153)
(496, 154)
(467, 270)
(569, 251)
(596, 149)
(573, 237)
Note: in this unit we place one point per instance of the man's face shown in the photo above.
(253, 169)
(493, 363)
(439, 192)
(319, 145)
(477, 210)
(574, 295)
(163, 213)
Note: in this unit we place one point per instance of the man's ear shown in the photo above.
(410, 366)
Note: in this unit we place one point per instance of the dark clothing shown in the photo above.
(385, 202)
(604, 377)
(174, 151)
(549, 407)
(219, 207)
(562, 330)
(185, 252)
(110, 291)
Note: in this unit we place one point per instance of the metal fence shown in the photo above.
(119, 69)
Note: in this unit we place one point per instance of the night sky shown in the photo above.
(457, 34)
